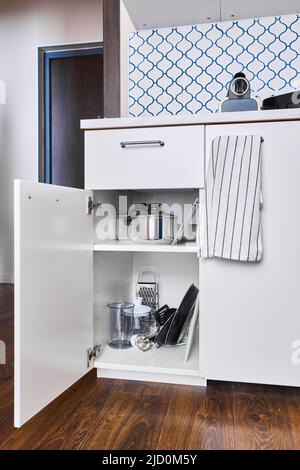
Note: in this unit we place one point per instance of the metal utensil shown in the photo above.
(147, 288)
(143, 342)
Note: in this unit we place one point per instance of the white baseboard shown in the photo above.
(6, 278)
(168, 378)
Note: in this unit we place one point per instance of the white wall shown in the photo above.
(24, 26)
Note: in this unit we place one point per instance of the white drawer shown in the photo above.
(145, 158)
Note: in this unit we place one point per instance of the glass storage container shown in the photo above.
(121, 317)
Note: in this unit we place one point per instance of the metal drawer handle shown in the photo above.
(142, 142)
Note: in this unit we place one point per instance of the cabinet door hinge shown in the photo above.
(91, 205)
(92, 353)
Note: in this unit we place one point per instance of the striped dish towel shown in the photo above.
(231, 218)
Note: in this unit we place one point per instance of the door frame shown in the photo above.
(45, 54)
(111, 71)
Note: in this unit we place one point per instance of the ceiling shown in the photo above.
(164, 13)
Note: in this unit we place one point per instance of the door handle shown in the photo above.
(142, 142)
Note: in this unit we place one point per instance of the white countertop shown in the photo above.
(200, 118)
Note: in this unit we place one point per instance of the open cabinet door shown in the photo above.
(53, 293)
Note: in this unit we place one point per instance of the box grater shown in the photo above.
(147, 288)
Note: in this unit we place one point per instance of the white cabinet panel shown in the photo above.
(237, 10)
(253, 310)
(53, 293)
(179, 163)
(167, 13)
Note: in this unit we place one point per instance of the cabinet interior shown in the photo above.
(115, 278)
(117, 265)
(118, 203)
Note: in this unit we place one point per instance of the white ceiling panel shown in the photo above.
(165, 13)
(237, 9)
(147, 14)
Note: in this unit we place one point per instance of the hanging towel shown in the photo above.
(231, 217)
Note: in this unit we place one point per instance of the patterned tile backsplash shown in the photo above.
(187, 69)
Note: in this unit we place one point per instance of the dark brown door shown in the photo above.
(76, 85)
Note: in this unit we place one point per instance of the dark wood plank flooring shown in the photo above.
(115, 414)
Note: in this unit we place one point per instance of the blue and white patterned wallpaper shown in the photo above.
(187, 69)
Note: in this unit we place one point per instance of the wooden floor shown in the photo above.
(114, 414)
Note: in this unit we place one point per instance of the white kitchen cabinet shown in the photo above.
(65, 274)
(144, 158)
(252, 310)
(64, 279)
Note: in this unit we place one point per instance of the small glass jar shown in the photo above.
(121, 317)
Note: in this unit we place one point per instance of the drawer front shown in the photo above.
(145, 158)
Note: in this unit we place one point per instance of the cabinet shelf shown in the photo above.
(151, 247)
(167, 359)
